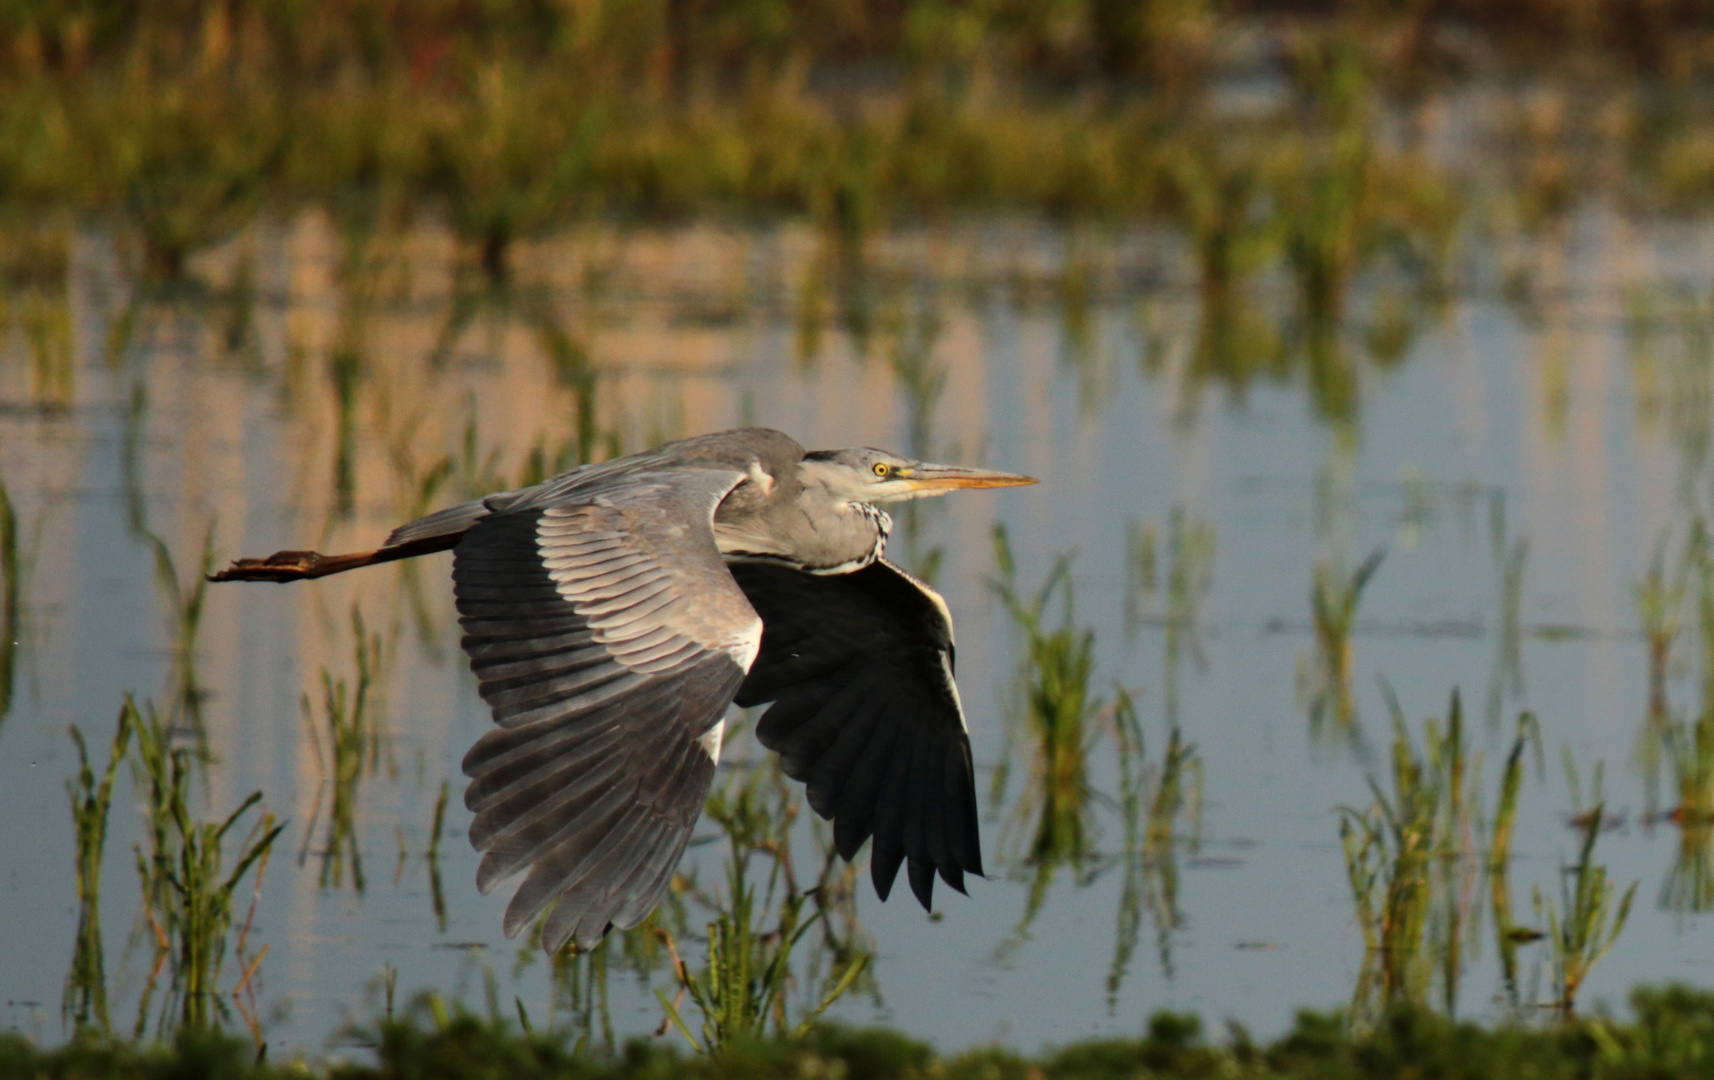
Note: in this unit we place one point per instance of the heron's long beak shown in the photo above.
(939, 479)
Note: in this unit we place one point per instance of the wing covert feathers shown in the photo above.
(607, 639)
(859, 669)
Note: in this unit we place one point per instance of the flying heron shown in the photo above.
(613, 613)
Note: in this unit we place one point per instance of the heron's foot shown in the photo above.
(280, 566)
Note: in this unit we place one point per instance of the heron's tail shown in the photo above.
(303, 565)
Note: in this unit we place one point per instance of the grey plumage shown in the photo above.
(613, 613)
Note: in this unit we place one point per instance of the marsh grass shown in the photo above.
(756, 926)
(1406, 860)
(1058, 712)
(357, 744)
(84, 1004)
(1334, 600)
(1583, 925)
(1508, 935)
(187, 893)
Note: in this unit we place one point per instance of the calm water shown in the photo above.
(1563, 388)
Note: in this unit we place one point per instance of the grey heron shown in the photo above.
(613, 613)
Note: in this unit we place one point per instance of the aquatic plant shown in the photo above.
(187, 898)
(743, 987)
(1507, 934)
(1403, 859)
(1583, 925)
(85, 1001)
(1053, 685)
(1333, 604)
(356, 739)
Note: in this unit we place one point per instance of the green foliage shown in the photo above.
(85, 1001)
(355, 741)
(742, 989)
(1672, 1035)
(1058, 713)
(1400, 857)
(187, 897)
(1584, 923)
(1333, 604)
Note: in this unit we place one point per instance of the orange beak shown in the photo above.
(939, 479)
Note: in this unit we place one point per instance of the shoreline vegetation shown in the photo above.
(1262, 132)
(1669, 1037)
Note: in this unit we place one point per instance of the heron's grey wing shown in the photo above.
(608, 638)
(859, 667)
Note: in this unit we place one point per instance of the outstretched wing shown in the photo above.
(608, 638)
(860, 669)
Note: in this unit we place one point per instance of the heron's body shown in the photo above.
(613, 613)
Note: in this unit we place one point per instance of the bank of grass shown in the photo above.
(1670, 1035)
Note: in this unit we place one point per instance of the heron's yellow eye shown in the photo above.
(881, 468)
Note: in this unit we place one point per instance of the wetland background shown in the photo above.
(1366, 354)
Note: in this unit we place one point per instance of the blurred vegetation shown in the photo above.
(1668, 1037)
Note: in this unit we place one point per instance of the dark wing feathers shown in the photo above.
(608, 640)
(859, 668)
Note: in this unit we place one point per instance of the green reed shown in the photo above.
(187, 893)
(1507, 934)
(1334, 599)
(84, 1003)
(1584, 923)
(743, 987)
(1058, 709)
(1402, 859)
(356, 741)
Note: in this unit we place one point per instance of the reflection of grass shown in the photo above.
(1333, 603)
(1189, 577)
(187, 898)
(85, 1001)
(184, 602)
(1689, 886)
(1583, 925)
(1508, 677)
(1660, 607)
(1152, 802)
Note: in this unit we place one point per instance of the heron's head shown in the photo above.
(867, 475)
